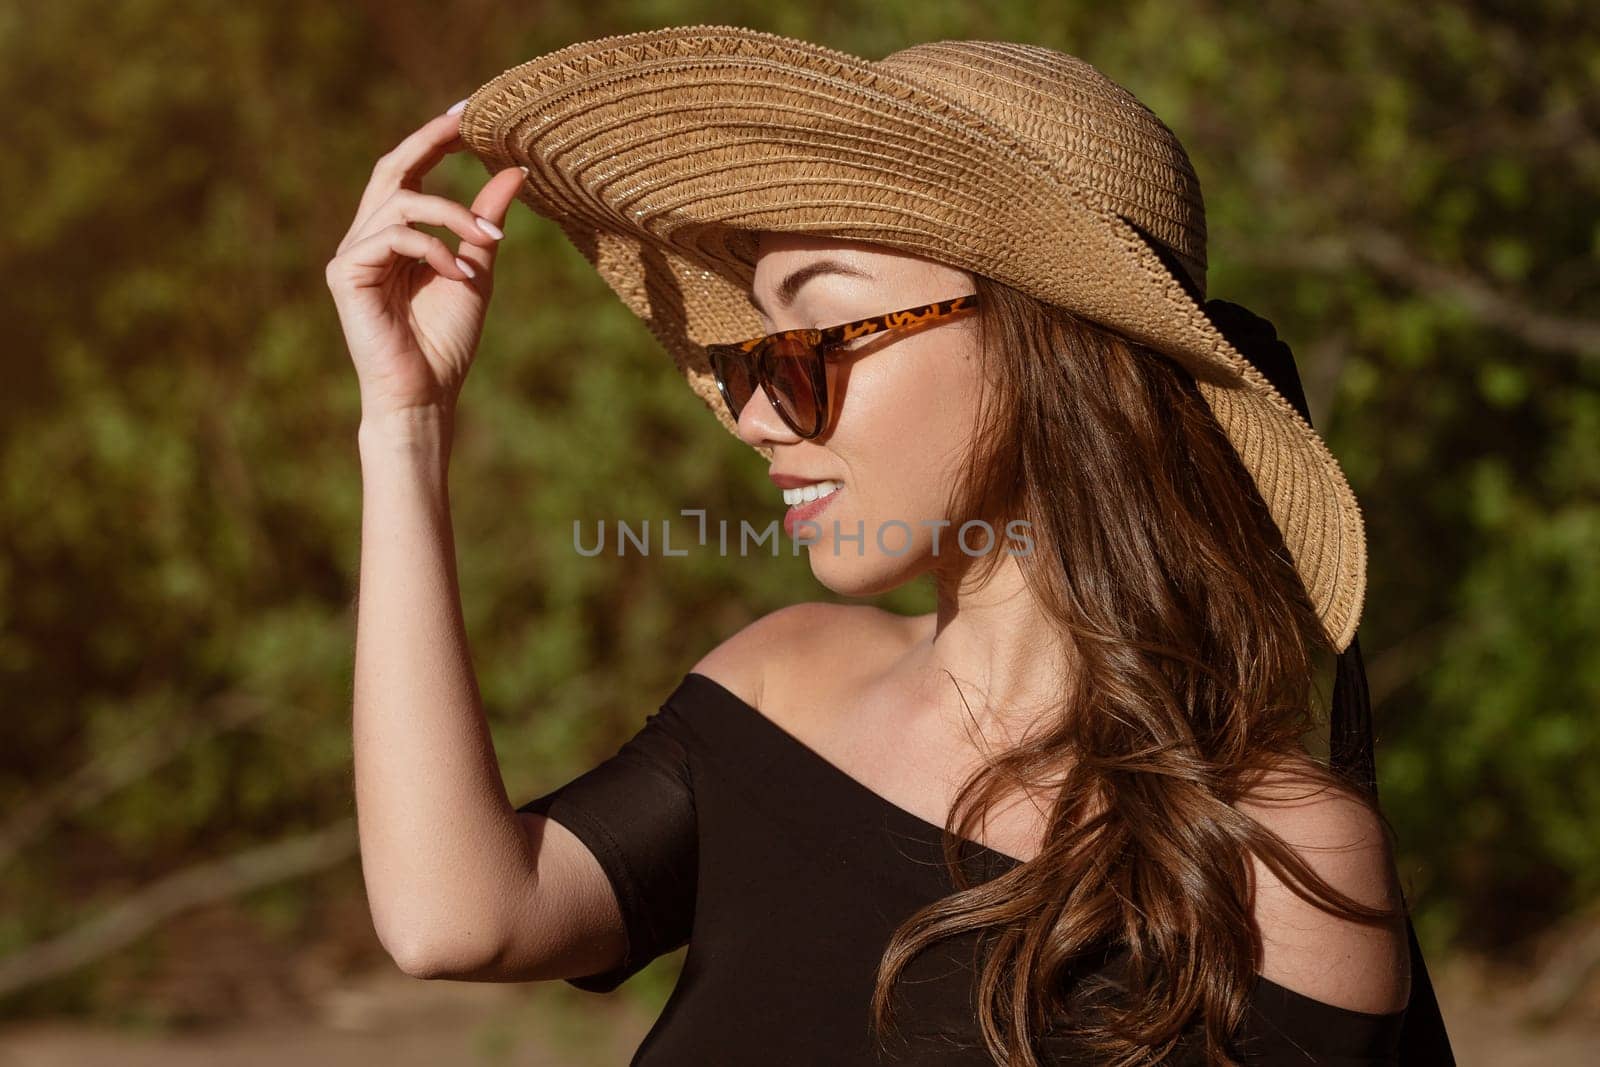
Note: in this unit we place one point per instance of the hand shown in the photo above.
(412, 313)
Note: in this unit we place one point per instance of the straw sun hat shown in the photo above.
(661, 154)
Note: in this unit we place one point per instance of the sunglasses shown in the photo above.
(792, 367)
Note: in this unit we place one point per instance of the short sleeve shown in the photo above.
(635, 812)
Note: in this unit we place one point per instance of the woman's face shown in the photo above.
(903, 406)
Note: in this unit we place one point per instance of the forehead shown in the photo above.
(778, 255)
(785, 251)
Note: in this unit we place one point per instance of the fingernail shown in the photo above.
(466, 268)
(524, 169)
(489, 228)
(458, 105)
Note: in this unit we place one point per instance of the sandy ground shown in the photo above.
(384, 1018)
(389, 1019)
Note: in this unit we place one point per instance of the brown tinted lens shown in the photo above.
(735, 373)
(790, 361)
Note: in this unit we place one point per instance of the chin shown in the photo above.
(869, 573)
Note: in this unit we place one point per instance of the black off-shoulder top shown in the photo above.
(786, 877)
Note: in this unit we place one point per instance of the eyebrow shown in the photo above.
(790, 286)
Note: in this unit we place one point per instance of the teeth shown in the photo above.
(807, 493)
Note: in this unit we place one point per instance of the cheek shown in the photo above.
(905, 424)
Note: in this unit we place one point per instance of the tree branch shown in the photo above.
(203, 883)
(1396, 259)
(119, 767)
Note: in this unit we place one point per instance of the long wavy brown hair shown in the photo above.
(1193, 642)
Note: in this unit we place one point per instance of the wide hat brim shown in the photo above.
(662, 154)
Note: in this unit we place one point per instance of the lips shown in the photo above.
(807, 493)
(797, 481)
(809, 509)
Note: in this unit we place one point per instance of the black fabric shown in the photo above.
(642, 834)
(1423, 1037)
(799, 876)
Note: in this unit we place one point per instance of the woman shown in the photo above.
(1068, 816)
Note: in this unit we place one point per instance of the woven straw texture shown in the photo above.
(661, 155)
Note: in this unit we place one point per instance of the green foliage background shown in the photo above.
(1409, 191)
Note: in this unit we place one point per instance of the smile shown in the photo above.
(807, 493)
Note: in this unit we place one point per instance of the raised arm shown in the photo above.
(456, 880)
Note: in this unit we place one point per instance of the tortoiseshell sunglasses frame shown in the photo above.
(819, 343)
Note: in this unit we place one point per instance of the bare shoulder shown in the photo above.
(739, 662)
(785, 646)
(1339, 961)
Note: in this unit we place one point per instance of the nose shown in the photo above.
(760, 424)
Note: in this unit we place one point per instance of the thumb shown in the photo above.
(492, 203)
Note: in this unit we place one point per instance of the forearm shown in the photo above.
(441, 847)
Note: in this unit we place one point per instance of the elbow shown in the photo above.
(431, 958)
(417, 964)
(413, 956)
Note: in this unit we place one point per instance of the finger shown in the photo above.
(404, 165)
(369, 261)
(408, 206)
(492, 203)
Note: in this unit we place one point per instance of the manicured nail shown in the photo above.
(524, 169)
(466, 268)
(489, 228)
(458, 105)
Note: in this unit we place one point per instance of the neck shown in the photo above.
(988, 654)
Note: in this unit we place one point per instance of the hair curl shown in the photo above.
(1192, 638)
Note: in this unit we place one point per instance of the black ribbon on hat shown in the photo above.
(1423, 1039)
